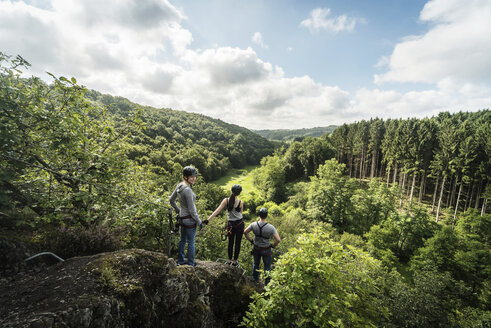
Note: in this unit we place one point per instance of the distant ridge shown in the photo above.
(289, 135)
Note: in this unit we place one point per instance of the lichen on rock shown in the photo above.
(127, 288)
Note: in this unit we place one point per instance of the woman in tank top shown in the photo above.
(235, 226)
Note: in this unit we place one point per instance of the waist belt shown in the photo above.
(187, 226)
(261, 248)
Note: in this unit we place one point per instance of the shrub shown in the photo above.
(77, 241)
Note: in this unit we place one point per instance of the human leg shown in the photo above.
(267, 260)
(238, 239)
(191, 235)
(181, 258)
(231, 238)
(255, 266)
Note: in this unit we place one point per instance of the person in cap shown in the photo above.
(263, 232)
(235, 223)
(188, 215)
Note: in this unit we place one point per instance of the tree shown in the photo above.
(329, 195)
(61, 154)
(320, 283)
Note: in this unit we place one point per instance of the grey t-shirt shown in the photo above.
(186, 200)
(267, 231)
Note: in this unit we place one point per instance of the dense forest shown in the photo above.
(296, 134)
(384, 223)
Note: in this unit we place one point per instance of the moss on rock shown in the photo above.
(131, 288)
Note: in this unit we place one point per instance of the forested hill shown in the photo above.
(171, 136)
(297, 134)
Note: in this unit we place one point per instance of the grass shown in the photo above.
(238, 176)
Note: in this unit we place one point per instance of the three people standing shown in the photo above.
(189, 221)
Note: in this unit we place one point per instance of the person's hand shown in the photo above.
(206, 221)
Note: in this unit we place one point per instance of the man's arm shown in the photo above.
(246, 234)
(277, 239)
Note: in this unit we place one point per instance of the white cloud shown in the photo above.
(139, 50)
(456, 47)
(258, 39)
(318, 21)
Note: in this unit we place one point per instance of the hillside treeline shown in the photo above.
(78, 159)
(171, 137)
(287, 135)
(381, 229)
(444, 159)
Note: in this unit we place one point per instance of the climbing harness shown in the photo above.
(254, 247)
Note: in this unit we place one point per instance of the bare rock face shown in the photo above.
(127, 288)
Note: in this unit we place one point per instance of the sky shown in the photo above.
(264, 64)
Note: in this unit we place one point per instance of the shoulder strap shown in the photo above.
(261, 229)
(238, 207)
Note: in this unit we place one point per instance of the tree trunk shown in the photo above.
(421, 188)
(434, 194)
(468, 200)
(412, 189)
(448, 194)
(402, 189)
(374, 160)
(395, 174)
(478, 196)
(408, 187)
(457, 203)
(388, 175)
(440, 199)
(454, 190)
(484, 204)
(350, 159)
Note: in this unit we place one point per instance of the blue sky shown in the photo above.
(346, 59)
(265, 64)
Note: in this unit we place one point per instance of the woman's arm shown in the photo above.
(218, 210)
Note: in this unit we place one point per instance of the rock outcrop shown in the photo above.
(127, 288)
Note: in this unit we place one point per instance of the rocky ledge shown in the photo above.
(127, 288)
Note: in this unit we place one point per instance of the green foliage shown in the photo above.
(433, 301)
(269, 179)
(170, 137)
(464, 253)
(401, 233)
(62, 157)
(303, 158)
(329, 195)
(319, 284)
(371, 206)
(288, 135)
